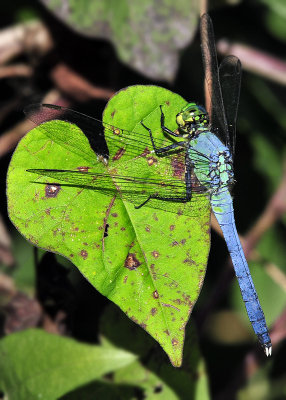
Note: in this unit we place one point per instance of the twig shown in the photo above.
(278, 331)
(255, 60)
(12, 71)
(9, 139)
(203, 6)
(7, 286)
(27, 37)
(21, 312)
(273, 211)
(6, 256)
(75, 86)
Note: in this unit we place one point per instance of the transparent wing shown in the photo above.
(127, 147)
(133, 189)
(217, 114)
(230, 79)
(132, 144)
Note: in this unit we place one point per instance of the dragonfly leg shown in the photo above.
(164, 128)
(176, 199)
(162, 150)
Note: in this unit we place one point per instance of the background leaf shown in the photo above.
(145, 34)
(152, 373)
(35, 364)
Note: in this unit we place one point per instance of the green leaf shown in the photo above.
(275, 17)
(151, 372)
(148, 36)
(35, 364)
(152, 262)
(104, 390)
(263, 384)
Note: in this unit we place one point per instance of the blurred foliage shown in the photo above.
(36, 364)
(148, 35)
(154, 375)
(264, 386)
(275, 17)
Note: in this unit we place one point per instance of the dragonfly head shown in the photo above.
(191, 117)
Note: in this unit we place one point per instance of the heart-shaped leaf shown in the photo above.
(149, 261)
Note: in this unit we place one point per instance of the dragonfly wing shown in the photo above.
(122, 141)
(133, 189)
(230, 79)
(216, 112)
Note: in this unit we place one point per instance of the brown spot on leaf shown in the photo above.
(114, 215)
(153, 311)
(144, 326)
(175, 243)
(178, 167)
(188, 261)
(147, 229)
(155, 254)
(52, 190)
(84, 254)
(156, 294)
(122, 228)
(183, 241)
(171, 306)
(113, 113)
(145, 152)
(155, 217)
(154, 273)
(37, 195)
(175, 342)
(116, 131)
(118, 154)
(131, 262)
(83, 169)
(151, 160)
(134, 319)
(125, 279)
(172, 227)
(71, 255)
(187, 299)
(48, 211)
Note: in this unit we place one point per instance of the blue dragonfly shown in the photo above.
(207, 143)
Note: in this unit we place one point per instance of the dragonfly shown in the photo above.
(204, 144)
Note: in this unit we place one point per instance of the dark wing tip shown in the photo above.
(231, 65)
